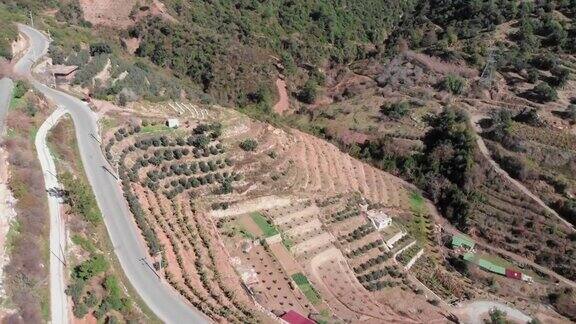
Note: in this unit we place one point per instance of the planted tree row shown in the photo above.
(357, 233)
(366, 247)
(372, 262)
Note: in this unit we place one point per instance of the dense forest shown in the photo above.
(228, 46)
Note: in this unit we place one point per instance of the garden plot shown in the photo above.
(311, 244)
(286, 259)
(291, 218)
(338, 286)
(252, 205)
(274, 289)
(313, 225)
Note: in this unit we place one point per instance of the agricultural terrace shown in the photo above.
(162, 173)
(237, 213)
(542, 159)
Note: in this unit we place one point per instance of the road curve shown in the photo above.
(58, 299)
(475, 311)
(164, 301)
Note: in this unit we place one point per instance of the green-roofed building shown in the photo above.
(462, 241)
(487, 265)
(469, 256)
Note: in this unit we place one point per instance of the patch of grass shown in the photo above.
(80, 197)
(84, 243)
(288, 243)
(107, 124)
(155, 128)
(420, 222)
(45, 303)
(13, 232)
(325, 317)
(306, 288)
(417, 202)
(15, 103)
(68, 36)
(267, 228)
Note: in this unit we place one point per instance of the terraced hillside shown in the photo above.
(228, 202)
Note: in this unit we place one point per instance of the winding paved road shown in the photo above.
(58, 299)
(164, 301)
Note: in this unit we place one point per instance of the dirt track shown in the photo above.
(474, 119)
(283, 103)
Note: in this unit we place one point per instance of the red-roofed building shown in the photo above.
(294, 317)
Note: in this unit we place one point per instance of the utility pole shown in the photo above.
(63, 254)
(143, 259)
(110, 171)
(95, 138)
(487, 73)
(57, 257)
(31, 19)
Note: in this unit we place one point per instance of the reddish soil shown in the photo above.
(88, 319)
(283, 103)
(108, 12)
(274, 290)
(285, 258)
(117, 13)
(248, 224)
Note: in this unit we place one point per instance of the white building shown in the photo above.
(380, 220)
(173, 123)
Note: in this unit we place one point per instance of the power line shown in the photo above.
(487, 75)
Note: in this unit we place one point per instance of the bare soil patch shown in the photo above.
(283, 103)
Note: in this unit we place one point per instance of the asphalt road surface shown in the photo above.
(6, 86)
(162, 299)
(58, 299)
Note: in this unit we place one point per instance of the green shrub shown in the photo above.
(80, 310)
(453, 84)
(249, 144)
(308, 93)
(20, 89)
(90, 268)
(395, 110)
(100, 48)
(544, 92)
(80, 198)
(114, 295)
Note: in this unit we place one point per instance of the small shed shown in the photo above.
(380, 220)
(527, 278)
(173, 123)
(462, 241)
(63, 72)
(293, 317)
(513, 274)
